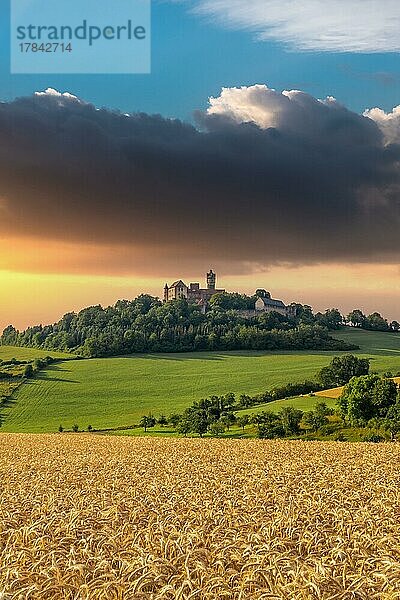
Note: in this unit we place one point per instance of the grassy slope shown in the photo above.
(8, 352)
(118, 391)
(302, 403)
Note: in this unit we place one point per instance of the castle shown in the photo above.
(265, 303)
(202, 296)
(192, 293)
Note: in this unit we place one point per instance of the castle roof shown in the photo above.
(178, 283)
(272, 302)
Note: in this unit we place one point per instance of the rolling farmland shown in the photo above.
(116, 392)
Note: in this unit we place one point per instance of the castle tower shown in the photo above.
(166, 289)
(211, 280)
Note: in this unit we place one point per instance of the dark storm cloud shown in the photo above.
(264, 178)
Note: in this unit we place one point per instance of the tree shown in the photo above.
(162, 420)
(217, 428)
(269, 425)
(366, 397)
(314, 421)
(90, 428)
(376, 322)
(61, 429)
(290, 419)
(392, 421)
(342, 369)
(147, 422)
(174, 420)
(332, 319)
(38, 364)
(395, 325)
(10, 336)
(356, 318)
(184, 425)
(245, 401)
(384, 396)
(199, 422)
(228, 419)
(75, 428)
(243, 421)
(323, 410)
(28, 371)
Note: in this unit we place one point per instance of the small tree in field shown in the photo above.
(147, 422)
(314, 420)
(243, 421)
(28, 371)
(61, 429)
(174, 419)
(184, 425)
(290, 418)
(217, 428)
(90, 428)
(228, 419)
(199, 422)
(75, 428)
(392, 421)
(162, 420)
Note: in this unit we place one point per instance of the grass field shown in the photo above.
(90, 518)
(8, 386)
(8, 352)
(116, 392)
(303, 403)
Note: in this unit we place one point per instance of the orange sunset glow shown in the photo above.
(56, 279)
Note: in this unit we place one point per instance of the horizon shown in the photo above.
(368, 305)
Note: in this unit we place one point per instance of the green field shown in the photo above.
(303, 403)
(8, 352)
(116, 392)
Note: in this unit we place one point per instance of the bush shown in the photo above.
(328, 429)
(217, 428)
(372, 437)
(28, 371)
(270, 426)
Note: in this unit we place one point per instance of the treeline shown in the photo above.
(372, 322)
(331, 319)
(146, 325)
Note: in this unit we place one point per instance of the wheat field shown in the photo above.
(89, 517)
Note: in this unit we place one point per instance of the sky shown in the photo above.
(264, 144)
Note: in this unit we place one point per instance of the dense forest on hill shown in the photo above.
(147, 325)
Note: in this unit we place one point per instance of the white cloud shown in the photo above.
(56, 94)
(389, 123)
(313, 25)
(293, 111)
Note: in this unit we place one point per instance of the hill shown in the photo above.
(116, 392)
(146, 325)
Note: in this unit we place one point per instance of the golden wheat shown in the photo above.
(86, 517)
